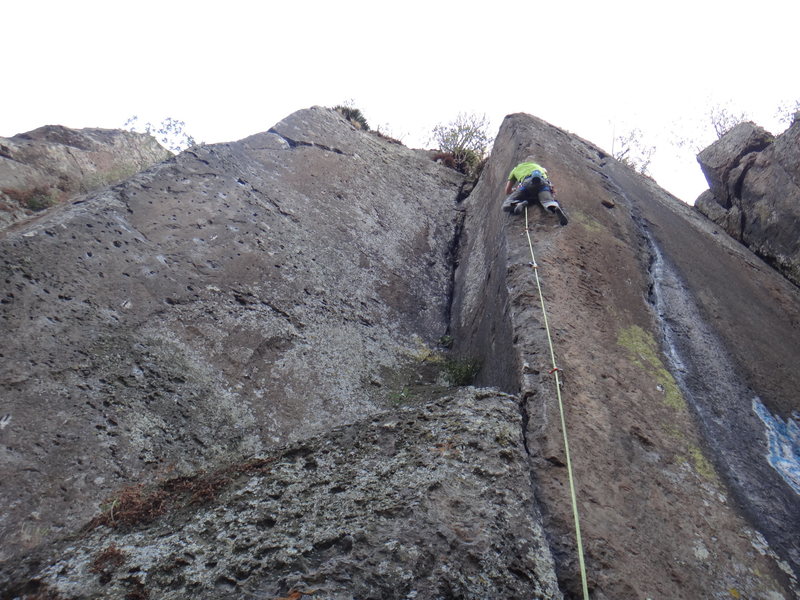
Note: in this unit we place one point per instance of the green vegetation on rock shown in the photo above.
(590, 224)
(34, 199)
(461, 371)
(701, 464)
(643, 351)
(463, 143)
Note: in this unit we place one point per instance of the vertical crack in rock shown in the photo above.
(522, 404)
(484, 303)
(452, 260)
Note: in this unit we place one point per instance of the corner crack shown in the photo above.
(522, 406)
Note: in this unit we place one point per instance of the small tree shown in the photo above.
(723, 120)
(466, 139)
(629, 149)
(171, 133)
(717, 120)
(788, 113)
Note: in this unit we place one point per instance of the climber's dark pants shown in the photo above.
(530, 194)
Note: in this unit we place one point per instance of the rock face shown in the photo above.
(233, 298)
(428, 501)
(223, 380)
(754, 192)
(660, 364)
(49, 165)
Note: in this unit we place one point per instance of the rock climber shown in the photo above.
(527, 184)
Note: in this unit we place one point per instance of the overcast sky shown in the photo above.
(230, 69)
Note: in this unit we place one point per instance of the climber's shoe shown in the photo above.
(519, 208)
(562, 216)
(559, 212)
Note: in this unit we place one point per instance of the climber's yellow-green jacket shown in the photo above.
(522, 170)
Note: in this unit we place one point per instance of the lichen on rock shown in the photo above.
(643, 350)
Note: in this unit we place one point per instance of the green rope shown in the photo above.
(554, 371)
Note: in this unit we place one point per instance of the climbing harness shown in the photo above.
(555, 371)
(537, 178)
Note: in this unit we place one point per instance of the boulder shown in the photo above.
(428, 500)
(47, 166)
(727, 154)
(755, 192)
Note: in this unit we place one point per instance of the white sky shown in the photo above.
(234, 68)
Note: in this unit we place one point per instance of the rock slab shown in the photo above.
(49, 165)
(230, 299)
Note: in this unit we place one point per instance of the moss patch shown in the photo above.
(701, 464)
(591, 225)
(643, 351)
(674, 432)
(460, 372)
(426, 374)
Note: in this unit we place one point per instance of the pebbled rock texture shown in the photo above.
(754, 192)
(664, 331)
(424, 501)
(49, 165)
(230, 299)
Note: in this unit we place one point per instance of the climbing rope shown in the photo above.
(554, 371)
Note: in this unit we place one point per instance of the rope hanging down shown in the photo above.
(555, 371)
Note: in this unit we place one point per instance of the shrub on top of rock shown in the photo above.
(353, 115)
(466, 140)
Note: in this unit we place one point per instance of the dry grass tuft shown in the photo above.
(139, 504)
